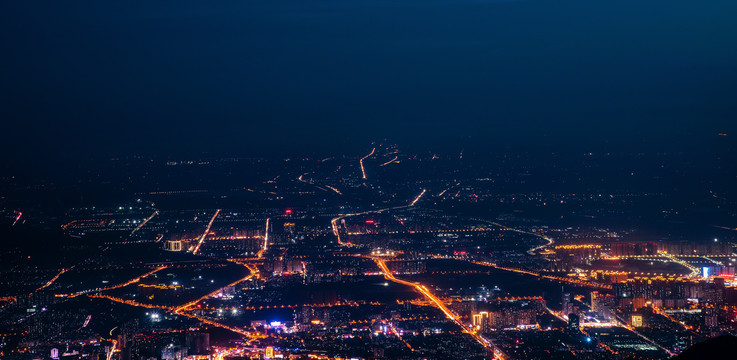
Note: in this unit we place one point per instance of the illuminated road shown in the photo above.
(633, 330)
(616, 323)
(17, 218)
(181, 310)
(129, 282)
(486, 343)
(440, 305)
(565, 320)
(252, 335)
(48, 283)
(665, 257)
(363, 170)
(300, 178)
(694, 270)
(336, 231)
(334, 221)
(249, 334)
(86, 321)
(135, 279)
(260, 253)
(532, 273)
(671, 318)
(390, 161)
(253, 272)
(418, 198)
(253, 268)
(713, 260)
(129, 302)
(204, 235)
(173, 310)
(446, 190)
(144, 222)
(7, 300)
(334, 189)
(395, 332)
(724, 227)
(112, 349)
(549, 240)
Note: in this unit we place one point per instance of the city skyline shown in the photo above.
(368, 180)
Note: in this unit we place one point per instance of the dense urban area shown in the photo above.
(387, 254)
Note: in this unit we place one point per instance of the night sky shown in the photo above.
(295, 76)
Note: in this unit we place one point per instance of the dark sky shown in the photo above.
(261, 76)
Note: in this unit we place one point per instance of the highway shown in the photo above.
(487, 344)
(617, 323)
(204, 235)
(390, 161)
(549, 240)
(48, 283)
(260, 253)
(334, 221)
(565, 320)
(381, 263)
(395, 332)
(694, 270)
(143, 223)
(418, 198)
(99, 290)
(549, 277)
(129, 302)
(334, 189)
(300, 178)
(446, 190)
(112, 349)
(17, 218)
(135, 279)
(181, 310)
(253, 272)
(634, 330)
(363, 169)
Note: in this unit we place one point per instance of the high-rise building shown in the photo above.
(566, 302)
(603, 304)
(594, 300)
(198, 343)
(573, 322)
